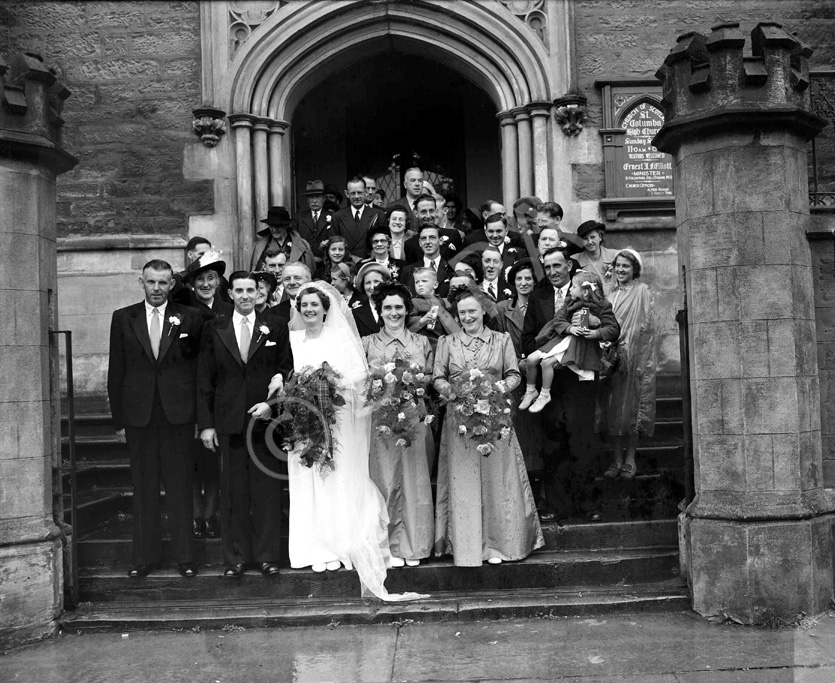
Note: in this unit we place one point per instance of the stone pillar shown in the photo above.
(31, 155)
(523, 134)
(510, 158)
(757, 538)
(277, 146)
(243, 237)
(262, 167)
(540, 114)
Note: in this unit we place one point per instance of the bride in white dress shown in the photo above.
(340, 519)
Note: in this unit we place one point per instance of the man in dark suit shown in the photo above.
(354, 222)
(549, 216)
(450, 239)
(239, 358)
(151, 386)
(314, 224)
(568, 420)
(494, 284)
(413, 184)
(430, 244)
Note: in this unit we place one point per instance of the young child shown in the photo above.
(560, 343)
(431, 316)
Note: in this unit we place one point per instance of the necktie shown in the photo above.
(246, 337)
(156, 332)
(357, 215)
(434, 265)
(315, 217)
(560, 298)
(491, 289)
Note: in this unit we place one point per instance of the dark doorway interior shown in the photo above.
(373, 116)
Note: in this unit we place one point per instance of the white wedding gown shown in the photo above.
(341, 516)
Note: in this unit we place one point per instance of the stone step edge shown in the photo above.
(215, 572)
(567, 602)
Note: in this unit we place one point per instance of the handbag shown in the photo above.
(609, 360)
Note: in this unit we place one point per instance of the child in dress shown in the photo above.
(577, 348)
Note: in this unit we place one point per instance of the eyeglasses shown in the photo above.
(380, 241)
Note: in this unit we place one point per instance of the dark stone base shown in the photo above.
(754, 572)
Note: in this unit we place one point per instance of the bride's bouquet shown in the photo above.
(308, 412)
(397, 395)
(481, 407)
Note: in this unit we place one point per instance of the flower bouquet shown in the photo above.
(308, 409)
(482, 408)
(397, 394)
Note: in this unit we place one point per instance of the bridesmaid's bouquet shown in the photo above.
(397, 394)
(308, 412)
(482, 408)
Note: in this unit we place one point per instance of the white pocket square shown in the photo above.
(269, 343)
(184, 334)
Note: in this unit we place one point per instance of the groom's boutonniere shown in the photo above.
(174, 321)
(263, 330)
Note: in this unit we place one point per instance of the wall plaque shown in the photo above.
(639, 178)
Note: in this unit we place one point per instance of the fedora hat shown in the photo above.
(314, 187)
(277, 215)
(209, 261)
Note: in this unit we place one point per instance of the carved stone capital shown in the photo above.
(209, 125)
(570, 114)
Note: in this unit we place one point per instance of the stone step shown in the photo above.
(543, 570)
(110, 545)
(196, 615)
(96, 505)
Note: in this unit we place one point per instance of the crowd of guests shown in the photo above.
(564, 323)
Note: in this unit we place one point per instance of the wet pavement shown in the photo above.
(646, 648)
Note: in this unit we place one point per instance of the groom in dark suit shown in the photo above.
(151, 386)
(241, 357)
(354, 222)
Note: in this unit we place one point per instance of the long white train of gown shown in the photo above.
(342, 516)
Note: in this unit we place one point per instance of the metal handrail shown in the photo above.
(73, 568)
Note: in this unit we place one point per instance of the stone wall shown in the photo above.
(823, 272)
(134, 72)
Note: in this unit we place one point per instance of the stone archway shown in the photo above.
(521, 65)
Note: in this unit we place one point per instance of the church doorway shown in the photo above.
(391, 111)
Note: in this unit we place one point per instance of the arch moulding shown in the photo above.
(300, 43)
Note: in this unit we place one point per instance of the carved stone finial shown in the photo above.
(570, 113)
(209, 125)
(709, 82)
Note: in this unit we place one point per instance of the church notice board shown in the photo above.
(639, 178)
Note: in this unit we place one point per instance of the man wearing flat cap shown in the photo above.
(314, 223)
(279, 235)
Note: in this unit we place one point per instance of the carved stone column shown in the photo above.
(523, 134)
(243, 238)
(540, 113)
(31, 156)
(758, 535)
(262, 167)
(510, 157)
(277, 154)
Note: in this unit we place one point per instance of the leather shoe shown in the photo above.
(212, 527)
(269, 569)
(187, 569)
(199, 527)
(234, 571)
(140, 570)
(547, 516)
